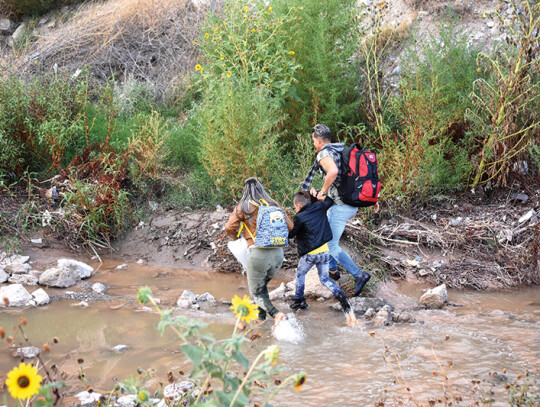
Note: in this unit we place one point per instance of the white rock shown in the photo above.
(84, 269)
(82, 304)
(278, 293)
(98, 288)
(5, 25)
(127, 401)
(490, 24)
(119, 348)
(36, 273)
(60, 277)
(18, 32)
(88, 399)
(14, 259)
(29, 352)
(17, 268)
(122, 267)
(3, 276)
(37, 241)
(41, 297)
(140, 261)
(434, 297)
(16, 295)
(205, 297)
(176, 391)
(188, 296)
(25, 279)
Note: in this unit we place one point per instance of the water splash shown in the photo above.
(289, 330)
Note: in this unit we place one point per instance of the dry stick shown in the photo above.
(444, 377)
(55, 390)
(403, 384)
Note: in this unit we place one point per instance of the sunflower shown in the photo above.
(198, 67)
(291, 52)
(229, 74)
(299, 381)
(23, 381)
(244, 308)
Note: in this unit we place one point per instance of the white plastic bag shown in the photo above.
(239, 247)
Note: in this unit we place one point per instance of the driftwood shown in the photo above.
(497, 245)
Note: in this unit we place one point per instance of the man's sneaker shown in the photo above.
(299, 303)
(262, 314)
(344, 301)
(360, 283)
(334, 275)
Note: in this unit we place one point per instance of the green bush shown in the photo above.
(431, 138)
(325, 39)
(239, 136)
(39, 121)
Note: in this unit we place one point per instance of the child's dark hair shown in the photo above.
(302, 198)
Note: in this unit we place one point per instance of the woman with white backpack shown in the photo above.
(265, 226)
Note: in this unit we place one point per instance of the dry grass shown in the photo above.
(149, 40)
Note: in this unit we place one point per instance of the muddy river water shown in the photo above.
(486, 333)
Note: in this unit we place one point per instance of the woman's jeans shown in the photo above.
(338, 215)
(262, 265)
(307, 261)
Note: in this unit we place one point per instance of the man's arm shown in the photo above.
(331, 169)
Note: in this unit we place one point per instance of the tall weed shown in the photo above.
(239, 136)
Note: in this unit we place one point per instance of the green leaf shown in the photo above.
(225, 399)
(240, 358)
(194, 353)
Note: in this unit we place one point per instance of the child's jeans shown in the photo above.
(307, 261)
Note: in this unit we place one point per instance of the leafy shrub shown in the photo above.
(248, 44)
(432, 139)
(41, 119)
(325, 37)
(239, 136)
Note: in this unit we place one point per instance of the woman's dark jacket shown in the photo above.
(311, 226)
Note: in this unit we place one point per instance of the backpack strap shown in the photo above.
(249, 231)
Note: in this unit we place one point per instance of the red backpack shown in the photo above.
(360, 183)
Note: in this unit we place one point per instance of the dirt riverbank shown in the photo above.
(475, 240)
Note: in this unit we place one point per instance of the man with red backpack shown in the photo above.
(342, 182)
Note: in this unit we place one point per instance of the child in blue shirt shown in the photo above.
(312, 232)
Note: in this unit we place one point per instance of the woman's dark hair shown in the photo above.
(253, 191)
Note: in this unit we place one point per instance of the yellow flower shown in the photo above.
(270, 8)
(254, 52)
(244, 308)
(291, 52)
(246, 8)
(478, 70)
(221, 56)
(23, 381)
(299, 381)
(253, 30)
(206, 35)
(198, 67)
(271, 353)
(229, 74)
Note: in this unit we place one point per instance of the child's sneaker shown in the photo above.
(344, 301)
(334, 275)
(299, 303)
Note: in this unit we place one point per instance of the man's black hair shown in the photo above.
(302, 198)
(322, 132)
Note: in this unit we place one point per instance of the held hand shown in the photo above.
(279, 317)
(313, 192)
(321, 197)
